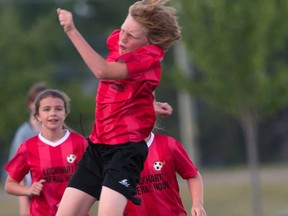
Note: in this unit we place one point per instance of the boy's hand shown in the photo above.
(65, 19)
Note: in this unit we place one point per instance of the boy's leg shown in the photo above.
(111, 203)
(75, 202)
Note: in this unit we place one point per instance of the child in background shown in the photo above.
(51, 156)
(158, 187)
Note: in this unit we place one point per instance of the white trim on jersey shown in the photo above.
(151, 138)
(54, 144)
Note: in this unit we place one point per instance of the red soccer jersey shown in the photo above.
(158, 187)
(53, 161)
(124, 108)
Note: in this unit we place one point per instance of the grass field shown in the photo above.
(227, 193)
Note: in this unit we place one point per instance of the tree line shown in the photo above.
(238, 56)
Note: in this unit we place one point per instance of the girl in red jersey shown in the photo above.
(158, 187)
(110, 168)
(29, 128)
(51, 157)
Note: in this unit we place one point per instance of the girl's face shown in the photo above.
(132, 36)
(51, 113)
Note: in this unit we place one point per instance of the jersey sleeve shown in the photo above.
(112, 44)
(183, 164)
(18, 166)
(145, 63)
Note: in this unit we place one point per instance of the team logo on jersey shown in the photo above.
(71, 158)
(158, 165)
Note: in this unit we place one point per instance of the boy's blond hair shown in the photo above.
(159, 20)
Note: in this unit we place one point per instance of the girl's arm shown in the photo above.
(24, 204)
(195, 185)
(97, 64)
(16, 188)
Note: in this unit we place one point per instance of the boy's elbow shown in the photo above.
(100, 74)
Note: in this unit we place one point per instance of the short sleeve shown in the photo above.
(18, 166)
(183, 164)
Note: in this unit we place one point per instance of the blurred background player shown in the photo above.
(158, 187)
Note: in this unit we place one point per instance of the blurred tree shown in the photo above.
(33, 50)
(237, 47)
(25, 58)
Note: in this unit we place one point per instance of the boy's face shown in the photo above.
(132, 36)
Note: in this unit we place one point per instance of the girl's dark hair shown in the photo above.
(52, 93)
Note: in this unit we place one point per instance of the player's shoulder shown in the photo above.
(31, 141)
(169, 141)
(152, 51)
(75, 134)
(33, 138)
(112, 40)
(164, 137)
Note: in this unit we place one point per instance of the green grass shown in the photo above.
(227, 192)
